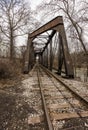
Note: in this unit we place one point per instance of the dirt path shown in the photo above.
(14, 108)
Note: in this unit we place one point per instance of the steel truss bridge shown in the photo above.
(49, 43)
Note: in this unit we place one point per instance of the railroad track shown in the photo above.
(61, 107)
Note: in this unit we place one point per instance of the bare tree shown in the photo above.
(14, 16)
(84, 10)
(72, 15)
(76, 21)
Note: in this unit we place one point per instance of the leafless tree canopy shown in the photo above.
(14, 16)
(74, 15)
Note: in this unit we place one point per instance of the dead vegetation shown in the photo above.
(10, 72)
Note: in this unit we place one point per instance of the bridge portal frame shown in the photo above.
(56, 25)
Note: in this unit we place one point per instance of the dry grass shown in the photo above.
(10, 72)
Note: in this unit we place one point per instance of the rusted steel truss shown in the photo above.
(43, 39)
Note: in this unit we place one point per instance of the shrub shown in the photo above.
(8, 69)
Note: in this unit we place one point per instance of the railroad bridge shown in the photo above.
(56, 103)
(42, 100)
(49, 44)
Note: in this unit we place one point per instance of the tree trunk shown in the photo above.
(11, 45)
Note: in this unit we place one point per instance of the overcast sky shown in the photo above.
(34, 3)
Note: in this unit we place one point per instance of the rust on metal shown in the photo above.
(55, 26)
(50, 25)
(50, 127)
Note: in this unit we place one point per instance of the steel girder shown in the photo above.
(56, 25)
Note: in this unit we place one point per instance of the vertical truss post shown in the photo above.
(32, 57)
(27, 55)
(60, 55)
(42, 59)
(47, 57)
(51, 55)
(66, 55)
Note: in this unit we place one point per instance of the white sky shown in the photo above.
(34, 3)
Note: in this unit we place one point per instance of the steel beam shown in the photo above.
(29, 56)
(56, 25)
(66, 55)
(50, 38)
(60, 55)
(47, 57)
(26, 63)
(50, 25)
(51, 56)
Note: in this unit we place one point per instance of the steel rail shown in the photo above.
(70, 89)
(50, 126)
(66, 98)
